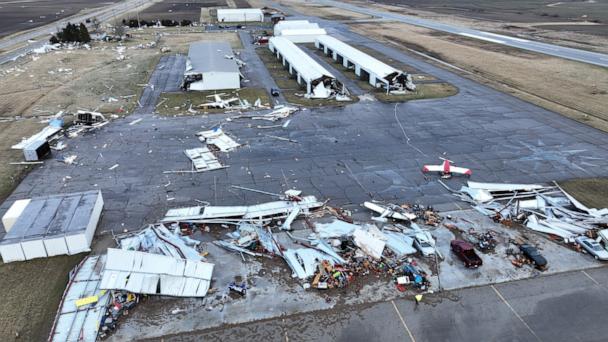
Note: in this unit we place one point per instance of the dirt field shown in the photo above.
(577, 32)
(93, 79)
(573, 89)
(322, 11)
(179, 9)
(513, 10)
(15, 16)
(30, 296)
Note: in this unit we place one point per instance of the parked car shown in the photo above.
(274, 91)
(424, 243)
(534, 255)
(592, 247)
(466, 252)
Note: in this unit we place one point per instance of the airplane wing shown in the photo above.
(432, 168)
(460, 170)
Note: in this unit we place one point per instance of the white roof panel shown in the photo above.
(357, 56)
(307, 67)
(140, 272)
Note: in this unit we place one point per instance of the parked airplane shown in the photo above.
(446, 169)
(219, 102)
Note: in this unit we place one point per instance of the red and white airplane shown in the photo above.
(446, 169)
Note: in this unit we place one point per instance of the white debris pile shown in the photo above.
(256, 213)
(542, 208)
(218, 138)
(158, 239)
(279, 112)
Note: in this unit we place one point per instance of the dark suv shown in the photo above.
(466, 252)
(534, 255)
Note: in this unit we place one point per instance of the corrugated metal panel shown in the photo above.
(82, 324)
(208, 56)
(307, 67)
(140, 272)
(365, 61)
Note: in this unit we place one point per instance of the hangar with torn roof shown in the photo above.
(368, 68)
(298, 31)
(233, 15)
(53, 225)
(319, 82)
(211, 66)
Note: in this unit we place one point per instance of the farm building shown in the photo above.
(52, 225)
(237, 15)
(298, 31)
(368, 68)
(211, 66)
(319, 82)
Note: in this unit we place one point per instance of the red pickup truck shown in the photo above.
(466, 252)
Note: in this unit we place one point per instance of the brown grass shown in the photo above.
(30, 296)
(592, 192)
(573, 89)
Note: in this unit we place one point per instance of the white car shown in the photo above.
(423, 241)
(592, 247)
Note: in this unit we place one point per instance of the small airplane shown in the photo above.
(219, 102)
(446, 169)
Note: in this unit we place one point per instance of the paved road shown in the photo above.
(548, 49)
(564, 307)
(102, 14)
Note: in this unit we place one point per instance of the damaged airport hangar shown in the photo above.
(368, 68)
(209, 67)
(298, 31)
(319, 82)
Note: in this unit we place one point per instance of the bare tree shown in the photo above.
(96, 24)
(119, 29)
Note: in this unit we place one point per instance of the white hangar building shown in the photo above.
(319, 82)
(377, 73)
(236, 15)
(298, 31)
(208, 67)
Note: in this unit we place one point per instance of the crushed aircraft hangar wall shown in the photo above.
(318, 81)
(377, 73)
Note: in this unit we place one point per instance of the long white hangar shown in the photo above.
(209, 67)
(298, 31)
(319, 82)
(377, 73)
(231, 15)
(53, 225)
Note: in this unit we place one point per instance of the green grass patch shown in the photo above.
(179, 103)
(423, 91)
(592, 192)
(287, 83)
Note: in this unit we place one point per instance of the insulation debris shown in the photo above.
(218, 138)
(203, 159)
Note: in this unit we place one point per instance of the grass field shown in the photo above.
(30, 296)
(179, 103)
(592, 192)
(291, 90)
